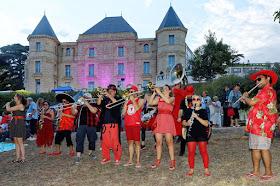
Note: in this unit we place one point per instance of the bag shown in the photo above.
(230, 112)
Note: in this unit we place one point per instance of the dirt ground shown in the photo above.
(228, 151)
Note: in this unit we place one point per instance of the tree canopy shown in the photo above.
(12, 58)
(212, 58)
(277, 15)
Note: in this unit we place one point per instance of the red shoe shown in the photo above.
(105, 161)
(155, 149)
(206, 174)
(42, 153)
(172, 166)
(71, 154)
(51, 154)
(117, 162)
(156, 164)
(57, 153)
(189, 174)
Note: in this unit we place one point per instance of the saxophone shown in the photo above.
(41, 121)
(58, 119)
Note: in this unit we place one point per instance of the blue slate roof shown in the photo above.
(171, 20)
(111, 25)
(44, 28)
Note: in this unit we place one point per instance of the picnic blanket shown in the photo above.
(7, 146)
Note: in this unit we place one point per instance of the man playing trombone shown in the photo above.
(110, 125)
(132, 110)
(85, 124)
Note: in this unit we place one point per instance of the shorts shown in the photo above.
(236, 113)
(196, 139)
(133, 133)
(60, 135)
(259, 142)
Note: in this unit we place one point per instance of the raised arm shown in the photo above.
(153, 100)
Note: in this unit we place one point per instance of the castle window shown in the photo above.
(38, 46)
(120, 68)
(67, 70)
(146, 48)
(91, 52)
(38, 85)
(68, 52)
(38, 66)
(120, 51)
(146, 67)
(171, 39)
(68, 84)
(171, 61)
(91, 70)
(91, 85)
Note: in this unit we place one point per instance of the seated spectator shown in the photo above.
(5, 117)
(4, 130)
(217, 114)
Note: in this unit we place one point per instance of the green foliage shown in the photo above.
(277, 15)
(12, 58)
(212, 59)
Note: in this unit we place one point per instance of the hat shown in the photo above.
(88, 95)
(189, 90)
(112, 86)
(215, 97)
(134, 88)
(29, 99)
(61, 96)
(269, 73)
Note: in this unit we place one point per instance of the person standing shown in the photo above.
(18, 129)
(32, 117)
(206, 101)
(66, 123)
(197, 120)
(132, 122)
(45, 135)
(217, 114)
(226, 119)
(110, 126)
(165, 123)
(261, 122)
(86, 125)
(234, 95)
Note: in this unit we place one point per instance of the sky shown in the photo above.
(246, 25)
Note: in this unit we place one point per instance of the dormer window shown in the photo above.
(146, 48)
(68, 52)
(171, 39)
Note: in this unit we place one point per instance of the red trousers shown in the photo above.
(110, 140)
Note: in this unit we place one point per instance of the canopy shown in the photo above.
(22, 92)
(63, 89)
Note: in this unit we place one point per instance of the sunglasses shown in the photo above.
(198, 99)
(64, 101)
(131, 91)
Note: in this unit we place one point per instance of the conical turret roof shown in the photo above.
(44, 28)
(171, 20)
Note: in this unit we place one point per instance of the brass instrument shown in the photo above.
(59, 119)
(152, 87)
(177, 74)
(6, 103)
(41, 121)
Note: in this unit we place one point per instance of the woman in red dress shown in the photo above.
(165, 123)
(45, 136)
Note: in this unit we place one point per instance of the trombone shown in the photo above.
(81, 101)
(126, 95)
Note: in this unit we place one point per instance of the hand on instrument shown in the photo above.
(74, 106)
(106, 93)
(195, 115)
(179, 119)
(86, 102)
(157, 89)
(245, 95)
(131, 97)
(43, 116)
(8, 104)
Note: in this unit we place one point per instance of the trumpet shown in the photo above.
(152, 87)
(6, 103)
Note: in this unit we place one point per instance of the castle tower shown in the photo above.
(171, 45)
(41, 65)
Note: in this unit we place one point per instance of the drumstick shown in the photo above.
(248, 92)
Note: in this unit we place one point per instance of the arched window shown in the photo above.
(146, 48)
(68, 52)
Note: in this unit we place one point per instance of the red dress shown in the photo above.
(179, 94)
(45, 136)
(165, 119)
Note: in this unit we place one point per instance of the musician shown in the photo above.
(132, 110)
(18, 130)
(86, 125)
(261, 122)
(110, 126)
(165, 123)
(184, 105)
(46, 135)
(179, 95)
(66, 124)
(197, 119)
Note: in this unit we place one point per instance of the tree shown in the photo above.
(12, 58)
(277, 15)
(212, 58)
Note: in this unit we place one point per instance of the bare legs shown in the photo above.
(169, 142)
(265, 155)
(20, 149)
(131, 151)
